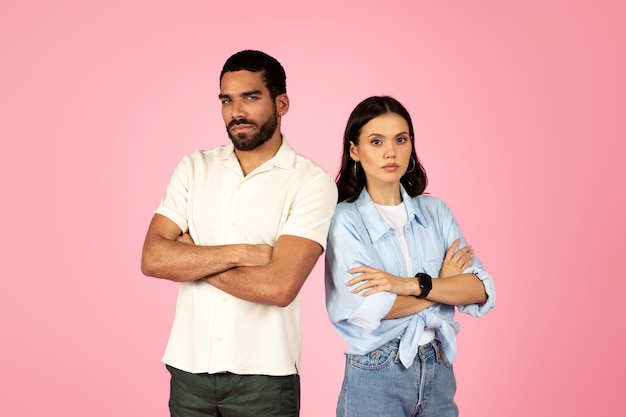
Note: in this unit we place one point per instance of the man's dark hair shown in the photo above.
(350, 180)
(273, 73)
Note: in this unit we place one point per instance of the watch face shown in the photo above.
(424, 280)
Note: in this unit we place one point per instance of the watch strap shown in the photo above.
(425, 282)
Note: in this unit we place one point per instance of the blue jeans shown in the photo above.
(232, 395)
(378, 385)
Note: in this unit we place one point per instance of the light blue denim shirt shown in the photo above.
(360, 236)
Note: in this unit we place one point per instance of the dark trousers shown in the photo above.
(231, 395)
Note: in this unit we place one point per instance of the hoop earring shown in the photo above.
(355, 168)
(414, 165)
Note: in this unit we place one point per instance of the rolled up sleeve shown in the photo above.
(478, 310)
(346, 250)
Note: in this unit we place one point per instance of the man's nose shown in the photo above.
(237, 109)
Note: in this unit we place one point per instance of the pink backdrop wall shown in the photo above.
(520, 117)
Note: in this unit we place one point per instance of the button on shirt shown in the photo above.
(359, 236)
(209, 197)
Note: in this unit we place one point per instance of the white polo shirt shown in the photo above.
(209, 197)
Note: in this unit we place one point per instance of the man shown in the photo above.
(241, 227)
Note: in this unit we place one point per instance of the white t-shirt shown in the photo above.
(209, 197)
(397, 218)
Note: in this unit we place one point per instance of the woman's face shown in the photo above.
(384, 149)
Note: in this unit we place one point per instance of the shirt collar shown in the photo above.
(379, 226)
(285, 156)
(413, 208)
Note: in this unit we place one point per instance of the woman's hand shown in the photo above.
(455, 262)
(373, 280)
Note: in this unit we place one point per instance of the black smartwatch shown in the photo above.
(425, 282)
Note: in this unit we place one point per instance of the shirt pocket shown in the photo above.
(431, 267)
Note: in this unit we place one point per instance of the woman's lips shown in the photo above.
(391, 167)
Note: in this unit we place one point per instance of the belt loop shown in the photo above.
(437, 347)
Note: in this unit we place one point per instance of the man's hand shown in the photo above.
(274, 281)
(168, 253)
(255, 255)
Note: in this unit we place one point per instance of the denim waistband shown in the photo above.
(429, 349)
(423, 351)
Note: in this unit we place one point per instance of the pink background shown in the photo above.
(519, 109)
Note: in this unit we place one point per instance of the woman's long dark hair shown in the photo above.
(350, 180)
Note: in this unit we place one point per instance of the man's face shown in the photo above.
(248, 110)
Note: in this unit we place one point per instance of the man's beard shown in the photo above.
(243, 142)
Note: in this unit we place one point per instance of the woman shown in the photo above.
(394, 273)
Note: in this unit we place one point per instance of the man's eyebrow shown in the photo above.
(244, 94)
(251, 93)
